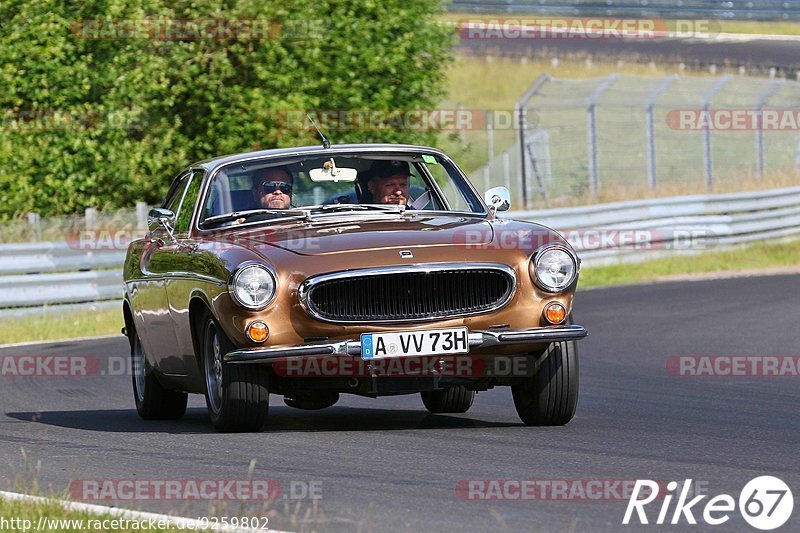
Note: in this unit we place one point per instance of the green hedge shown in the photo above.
(101, 109)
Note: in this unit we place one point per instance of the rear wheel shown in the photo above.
(451, 400)
(153, 401)
(237, 395)
(549, 397)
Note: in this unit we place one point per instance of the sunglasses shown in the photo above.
(272, 186)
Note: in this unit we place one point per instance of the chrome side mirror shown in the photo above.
(498, 199)
(162, 217)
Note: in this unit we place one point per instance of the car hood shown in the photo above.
(341, 234)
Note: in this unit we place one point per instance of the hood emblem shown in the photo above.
(406, 254)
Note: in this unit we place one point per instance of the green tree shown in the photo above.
(101, 105)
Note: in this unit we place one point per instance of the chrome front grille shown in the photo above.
(408, 293)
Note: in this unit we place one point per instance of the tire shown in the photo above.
(549, 397)
(451, 400)
(237, 395)
(153, 401)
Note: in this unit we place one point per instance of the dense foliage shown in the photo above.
(104, 101)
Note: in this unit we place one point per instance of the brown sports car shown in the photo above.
(365, 269)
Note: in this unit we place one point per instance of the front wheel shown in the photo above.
(153, 401)
(549, 397)
(237, 395)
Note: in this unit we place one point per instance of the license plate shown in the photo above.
(414, 343)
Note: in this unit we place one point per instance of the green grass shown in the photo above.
(753, 259)
(19, 510)
(52, 326)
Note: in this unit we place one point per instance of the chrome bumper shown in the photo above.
(477, 340)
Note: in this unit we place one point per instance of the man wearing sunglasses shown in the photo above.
(273, 188)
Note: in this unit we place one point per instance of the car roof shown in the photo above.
(212, 164)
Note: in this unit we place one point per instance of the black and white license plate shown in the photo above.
(446, 341)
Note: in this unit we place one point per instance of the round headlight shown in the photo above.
(253, 287)
(554, 268)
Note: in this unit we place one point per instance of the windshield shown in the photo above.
(302, 186)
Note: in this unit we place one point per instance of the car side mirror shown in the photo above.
(498, 199)
(160, 217)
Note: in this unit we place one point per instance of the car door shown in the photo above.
(158, 263)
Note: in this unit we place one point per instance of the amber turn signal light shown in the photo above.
(257, 331)
(555, 313)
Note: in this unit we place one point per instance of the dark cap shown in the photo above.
(384, 168)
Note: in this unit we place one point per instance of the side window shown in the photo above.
(176, 192)
(184, 215)
(448, 187)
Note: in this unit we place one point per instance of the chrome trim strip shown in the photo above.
(304, 291)
(352, 347)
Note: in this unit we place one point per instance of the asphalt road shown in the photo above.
(387, 465)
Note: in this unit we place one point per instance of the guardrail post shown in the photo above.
(35, 221)
(141, 215)
(91, 218)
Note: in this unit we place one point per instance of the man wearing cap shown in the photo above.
(388, 182)
(273, 188)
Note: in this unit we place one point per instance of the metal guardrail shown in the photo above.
(35, 275)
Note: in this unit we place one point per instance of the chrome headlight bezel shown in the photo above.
(534, 267)
(240, 270)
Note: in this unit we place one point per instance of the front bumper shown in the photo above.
(477, 340)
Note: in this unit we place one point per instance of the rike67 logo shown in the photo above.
(765, 503)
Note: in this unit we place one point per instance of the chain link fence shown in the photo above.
(623, 137)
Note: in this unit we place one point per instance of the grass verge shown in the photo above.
(53, 326)
(752, 259)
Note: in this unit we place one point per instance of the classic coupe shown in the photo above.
(371, 269)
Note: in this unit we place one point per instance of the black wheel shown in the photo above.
(451, 400)
(237, 395)
(312, 402)
(153, 401)
(549, 397)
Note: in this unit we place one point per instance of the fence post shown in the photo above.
(772, 88)
(651, 132)
(521, 118)
(91, 218)
(507, 170)
(141, 215)
(35, 221)
(591, 133)
(707, 157)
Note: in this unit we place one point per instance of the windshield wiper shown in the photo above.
(236, 215)
(391, 208)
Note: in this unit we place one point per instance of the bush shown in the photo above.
(91, 119)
